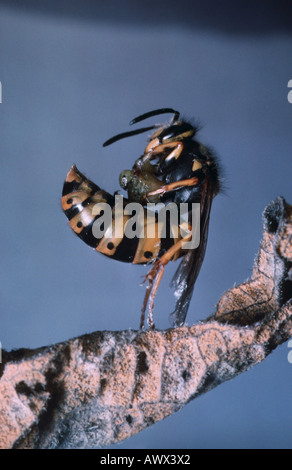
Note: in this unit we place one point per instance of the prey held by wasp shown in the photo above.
(175, 171)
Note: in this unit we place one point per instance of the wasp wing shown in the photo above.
(184, 279)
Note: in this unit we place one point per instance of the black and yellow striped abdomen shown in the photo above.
(81, 197)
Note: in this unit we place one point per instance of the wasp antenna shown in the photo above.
(155, 113)
(128, 134)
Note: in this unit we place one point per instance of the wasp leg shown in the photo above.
(171, 186)
(154, 278)
(150, 278)
(148, 290)
(154, 148)
(153, 294)
(175, 153)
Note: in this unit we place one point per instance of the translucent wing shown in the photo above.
(188, 270)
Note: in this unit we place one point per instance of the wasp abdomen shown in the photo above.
(78, 199)
(83, 203)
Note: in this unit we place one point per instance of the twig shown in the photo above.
(103, 387)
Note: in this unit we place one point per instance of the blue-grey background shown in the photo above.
(75, 73)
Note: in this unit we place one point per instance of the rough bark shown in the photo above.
(103, 387)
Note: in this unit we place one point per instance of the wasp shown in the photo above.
(174, 169)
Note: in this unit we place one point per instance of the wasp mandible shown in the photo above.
(174, 168)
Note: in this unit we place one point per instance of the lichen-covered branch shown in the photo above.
(103, 387)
